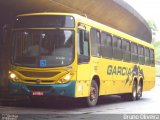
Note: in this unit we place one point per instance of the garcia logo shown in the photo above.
(136, 71)
(118, 70)
(126, 71)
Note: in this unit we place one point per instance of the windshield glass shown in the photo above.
(43, 48)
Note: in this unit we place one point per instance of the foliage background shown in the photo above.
(156, 42)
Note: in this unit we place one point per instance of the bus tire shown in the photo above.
(133, 95)
(92, 99)
(139, 90)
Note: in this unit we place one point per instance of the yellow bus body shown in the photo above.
(112, 75)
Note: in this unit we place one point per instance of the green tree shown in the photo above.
(155, 42)
(153, 27)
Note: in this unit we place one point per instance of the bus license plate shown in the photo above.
(37, 93)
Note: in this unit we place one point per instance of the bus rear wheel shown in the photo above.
(139, 90)
(92, 99)
(133, 95)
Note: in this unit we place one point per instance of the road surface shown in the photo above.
(148, 104)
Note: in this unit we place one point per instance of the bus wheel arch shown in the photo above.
(97, 79)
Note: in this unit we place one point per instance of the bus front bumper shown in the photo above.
(17, 88)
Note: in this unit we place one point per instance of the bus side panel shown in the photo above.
(124, 76)
(149, 78)
(115, 76)
(83, 80)
(100, 69)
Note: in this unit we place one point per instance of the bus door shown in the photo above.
(83, 71)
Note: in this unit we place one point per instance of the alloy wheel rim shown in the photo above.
(134, 91)
(93, 94)
(139, 91)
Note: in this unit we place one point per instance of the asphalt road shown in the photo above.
(148, 104)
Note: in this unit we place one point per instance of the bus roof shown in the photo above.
(47, 13)
(113, 31)
(95, 24)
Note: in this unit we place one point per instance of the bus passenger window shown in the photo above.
(134, 52)
(147, 56)
(117, 48)
(83, 46)
(141, 57)
(126, 50)
(152, 57)
(106, 45)
(95, 42)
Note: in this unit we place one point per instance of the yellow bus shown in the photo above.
(65, 54)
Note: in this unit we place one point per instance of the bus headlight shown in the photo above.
(12, 76)
(65, 79)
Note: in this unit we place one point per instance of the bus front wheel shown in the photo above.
(92, 99)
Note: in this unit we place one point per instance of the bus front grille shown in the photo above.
(41, 81)
(38, 74)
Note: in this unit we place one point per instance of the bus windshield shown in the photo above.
(43, 48)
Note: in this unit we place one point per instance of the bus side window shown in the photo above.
(95, 42)
(134, 52)
(147, 56)
(106, 45)
(141, 57)
(152, 57)
(83, 46)
(126, 47)
(117, 48)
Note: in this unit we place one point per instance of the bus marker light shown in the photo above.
(80, 88)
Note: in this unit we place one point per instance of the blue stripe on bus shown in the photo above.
(68, 89)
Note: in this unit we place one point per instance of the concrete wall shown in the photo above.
(114, 13)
